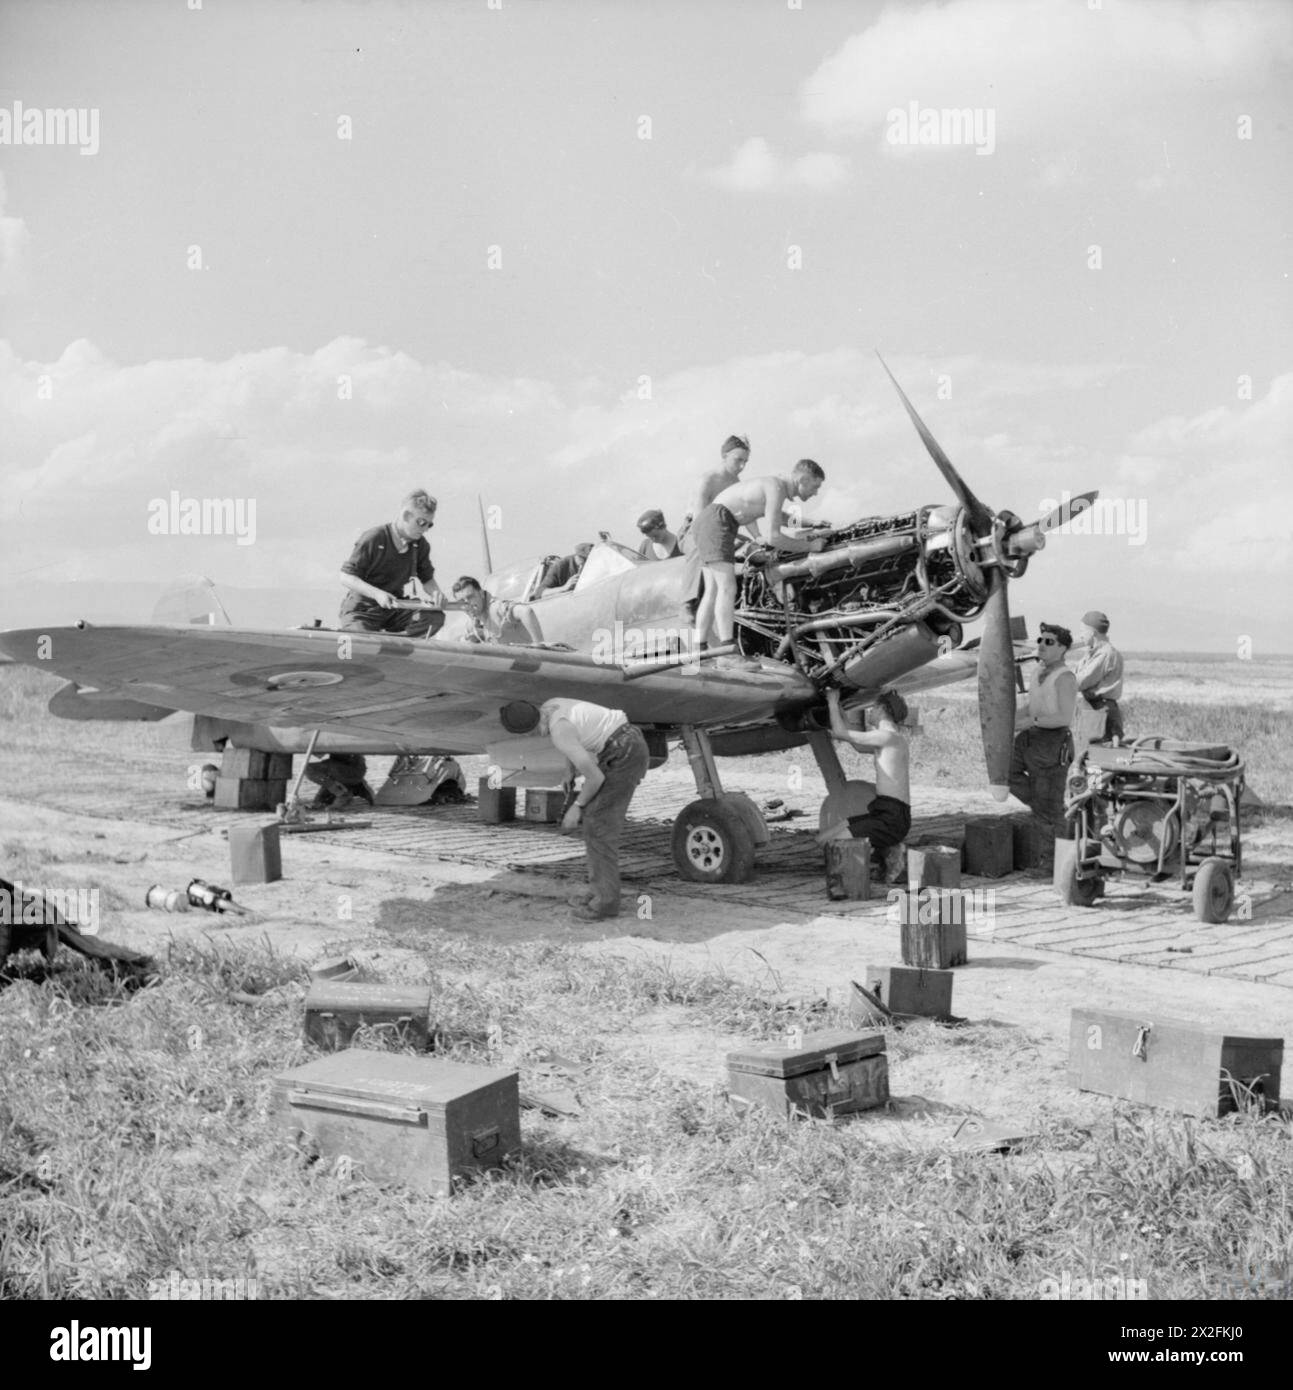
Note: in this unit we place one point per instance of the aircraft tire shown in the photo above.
(712, 844)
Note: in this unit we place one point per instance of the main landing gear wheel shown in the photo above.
(1214, 891)
(712, 844)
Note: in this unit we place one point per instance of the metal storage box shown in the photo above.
(400, 1119)
(827, 1074)
(1170, 1062)
(335, 1009)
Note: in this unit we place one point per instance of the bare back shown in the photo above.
(752, 498)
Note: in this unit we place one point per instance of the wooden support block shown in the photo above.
(248, 793)
(496, 804)
(933, 866)
(246, 763)
(1029, 842)
(933, 929)
(905, 990)
(543, 805)
(989, 847)
(848, 869)
(279, 768)
(254, 854)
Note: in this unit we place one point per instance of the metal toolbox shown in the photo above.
(1170, 1062)
(335, 1009)
(827, 1074)
(400, 1119)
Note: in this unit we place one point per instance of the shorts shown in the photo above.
(885, 823)
(713, 534)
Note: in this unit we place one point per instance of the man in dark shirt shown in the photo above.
(659, 542)
(383, 564)
(562, 573)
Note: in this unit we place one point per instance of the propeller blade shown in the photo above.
(997, 687)
(979, 514)
(1066, 511)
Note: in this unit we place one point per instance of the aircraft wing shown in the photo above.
(429, 694)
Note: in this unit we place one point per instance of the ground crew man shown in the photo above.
(384, 564)
(611, 756)
(1043, 742)
(1099, 674)
(887, 821)
(562, 573)
(658, 541)
(714, 533)
(735, 454)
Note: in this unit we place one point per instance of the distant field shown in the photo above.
(1246, 704)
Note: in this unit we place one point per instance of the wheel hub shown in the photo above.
(705, 848)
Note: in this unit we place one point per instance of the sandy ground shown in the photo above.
(337, 898)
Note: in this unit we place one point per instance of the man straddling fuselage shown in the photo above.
(383, 565)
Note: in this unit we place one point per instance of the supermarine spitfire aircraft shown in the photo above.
(882, 606)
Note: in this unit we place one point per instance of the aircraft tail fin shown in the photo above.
(191, 600)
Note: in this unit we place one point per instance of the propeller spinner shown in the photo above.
(1005, 545)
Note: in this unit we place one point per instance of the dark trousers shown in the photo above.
(885, 823)
(624, 763)
(1038, 769)
(338, 772)
(404, 621)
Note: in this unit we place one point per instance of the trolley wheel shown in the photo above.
(1079, 892)
(1214, 891)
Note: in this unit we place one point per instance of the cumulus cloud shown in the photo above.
(755, 167)
(1050, 71)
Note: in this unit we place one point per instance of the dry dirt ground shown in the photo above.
(126, 823)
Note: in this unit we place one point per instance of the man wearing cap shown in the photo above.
(561, 574)
(383, 565)
(1043, 742)
(1099, 673)
(735, 454)
(611, 756)
(658, 541)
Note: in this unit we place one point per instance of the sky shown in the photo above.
(550, 254)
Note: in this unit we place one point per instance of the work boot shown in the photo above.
(342, 799)
(323, 797)
(365, 793)
(590, 912)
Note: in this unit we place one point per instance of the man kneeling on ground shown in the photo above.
(887, 820)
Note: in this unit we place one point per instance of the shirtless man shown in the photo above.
(714, 533)
(735, 454)
(887, 820)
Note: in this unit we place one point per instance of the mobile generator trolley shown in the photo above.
(1156, 807)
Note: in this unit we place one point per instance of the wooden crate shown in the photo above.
(414, 1121)
(1170, 1063)
(989, 847)
(255, 853)
(248, 794)
(904, 989)
(543, 805)
(848, 869)
(932, 923)
(334, 1010)
(827, 1074)
(255, 765)
(933, 866)
(495, 804)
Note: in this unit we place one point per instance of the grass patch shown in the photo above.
(135, 1142)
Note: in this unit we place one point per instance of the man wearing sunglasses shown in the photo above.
(1043, 743)
(382, 567)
